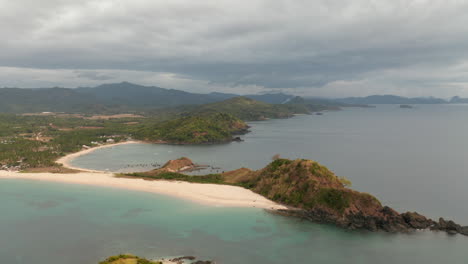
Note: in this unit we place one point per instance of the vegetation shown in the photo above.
(299, 183)
(36, 140)
(209, 178)
(250, 110)
(128, 259)
(194, 129)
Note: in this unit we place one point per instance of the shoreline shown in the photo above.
(207, 194)
(66, 160)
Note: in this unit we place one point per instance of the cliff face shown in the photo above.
(317, 194)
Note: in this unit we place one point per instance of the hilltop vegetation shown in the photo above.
(128, 259)
(194, 129)
(303, 184)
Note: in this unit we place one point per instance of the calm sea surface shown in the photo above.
(411, 159)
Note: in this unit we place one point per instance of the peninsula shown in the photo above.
(311, 191)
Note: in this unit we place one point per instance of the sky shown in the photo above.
(326, 48)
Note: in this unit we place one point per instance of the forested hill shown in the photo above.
(110, 98)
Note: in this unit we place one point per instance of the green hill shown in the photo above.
(251, 110)
(194, 129)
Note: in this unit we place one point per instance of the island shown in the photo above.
(131, 259)
(406, 106)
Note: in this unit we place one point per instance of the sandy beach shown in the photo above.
(65, 161)
(209, 194)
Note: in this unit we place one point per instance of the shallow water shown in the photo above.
(411, 159)
(51, 223)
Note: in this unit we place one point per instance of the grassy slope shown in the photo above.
(302, 184)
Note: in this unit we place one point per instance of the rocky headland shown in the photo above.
(313, 192)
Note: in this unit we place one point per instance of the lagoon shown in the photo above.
(411, 159)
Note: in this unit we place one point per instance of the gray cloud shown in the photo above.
(321, 47)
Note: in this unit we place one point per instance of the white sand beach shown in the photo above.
(66, 160)
(209, 194)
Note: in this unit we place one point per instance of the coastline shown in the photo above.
(66, 160)
(208, 194)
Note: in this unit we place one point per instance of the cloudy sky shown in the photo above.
(307, 47)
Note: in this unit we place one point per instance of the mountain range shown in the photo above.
(393, 99)
(128, 97)
(116, 97)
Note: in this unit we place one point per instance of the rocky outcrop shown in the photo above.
(315, 193)
(178, 165)
(450, 227)
(390, 221)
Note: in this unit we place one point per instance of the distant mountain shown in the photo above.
(273, 98)
(390, 99)
(40, 100)
(116, 97)
(143, 96)
(458, 100)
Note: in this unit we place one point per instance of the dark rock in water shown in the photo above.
(450, 227)
(191, 258)
(417, 221)
(389, 221)
(237, 139)
(318, 113)
(451, 232)
(464, 230)
(406, 106)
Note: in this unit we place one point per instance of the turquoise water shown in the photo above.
(410, 159)
(51, 223)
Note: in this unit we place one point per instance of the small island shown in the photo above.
(131, 259)
(404, 106)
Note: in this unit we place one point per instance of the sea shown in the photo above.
(410, 159)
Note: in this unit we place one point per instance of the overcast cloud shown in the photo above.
(307, 47)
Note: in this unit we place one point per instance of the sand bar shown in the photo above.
(209, 194)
